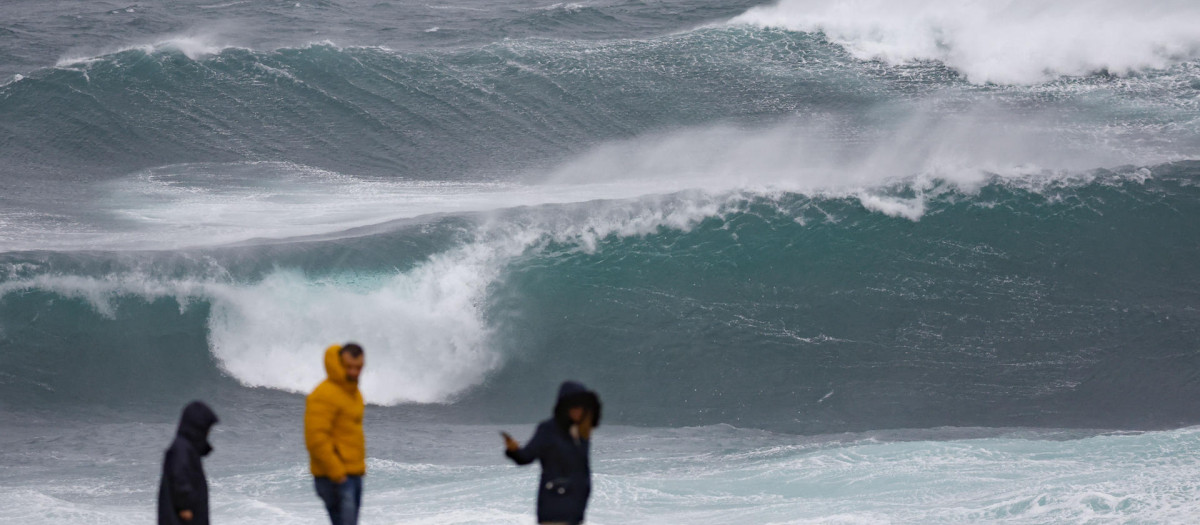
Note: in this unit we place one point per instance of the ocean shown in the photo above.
(910, 261)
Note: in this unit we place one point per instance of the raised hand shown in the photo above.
(509, 442)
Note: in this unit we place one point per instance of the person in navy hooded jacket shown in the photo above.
(183, 491)
(562, 444)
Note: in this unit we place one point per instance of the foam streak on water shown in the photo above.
(703, 475)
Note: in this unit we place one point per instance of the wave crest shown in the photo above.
(1013, 42)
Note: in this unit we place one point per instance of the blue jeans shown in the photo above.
(341, 500)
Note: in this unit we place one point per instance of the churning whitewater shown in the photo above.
(915, 261)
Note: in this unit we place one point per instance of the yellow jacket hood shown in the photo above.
(334, 368)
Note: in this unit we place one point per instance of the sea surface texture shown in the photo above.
(881, 261)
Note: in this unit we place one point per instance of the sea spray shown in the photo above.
(1012, 42)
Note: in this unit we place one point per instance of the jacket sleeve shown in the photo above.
(179, 479)
(318, 436)
(532, 450)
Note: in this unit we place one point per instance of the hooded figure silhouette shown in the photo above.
(183, 490)
(563, 446)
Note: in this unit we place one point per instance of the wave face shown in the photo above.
(1025, 302)
(513, 106)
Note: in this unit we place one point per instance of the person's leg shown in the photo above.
(329, 493)
(351, 499)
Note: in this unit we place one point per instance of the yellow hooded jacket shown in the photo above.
(333, 430)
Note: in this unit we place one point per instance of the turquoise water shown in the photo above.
(905, 262)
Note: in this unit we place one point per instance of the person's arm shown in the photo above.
(318, 437)
(179, 483)
(531, 451)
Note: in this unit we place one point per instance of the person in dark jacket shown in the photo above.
(562, 444)
(183, 492)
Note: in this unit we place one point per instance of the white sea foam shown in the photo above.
(424, 329)
(911, 209)
(571, 7)
(454, 7)
(194, 46)
(1008, 41)
(224, 5)
(24, 505)
(925, 154)
(709, 475)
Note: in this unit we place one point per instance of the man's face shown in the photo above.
(353, 366)
(576, 414)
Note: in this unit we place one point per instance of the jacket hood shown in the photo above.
(194, 425)
(334, 369)
(573, 394)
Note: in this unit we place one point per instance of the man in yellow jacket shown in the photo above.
(333, 433)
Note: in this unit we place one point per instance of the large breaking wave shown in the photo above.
(1020, 302)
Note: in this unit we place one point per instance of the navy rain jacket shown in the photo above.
(183, 485)
(566, 479)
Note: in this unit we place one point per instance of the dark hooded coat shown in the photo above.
(183, 485)
(566, 481)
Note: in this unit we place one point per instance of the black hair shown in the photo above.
(352, 349)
